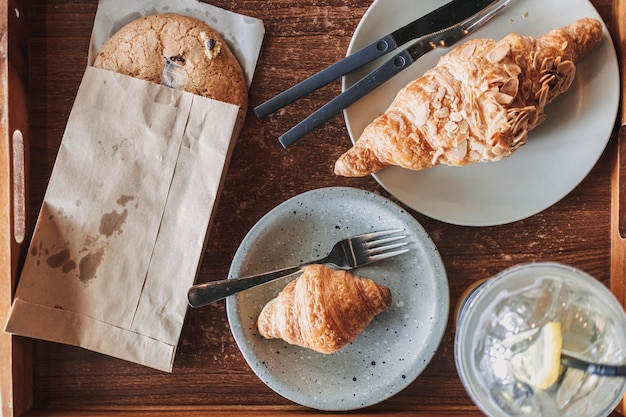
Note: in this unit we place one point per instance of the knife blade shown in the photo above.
(447, 15)
(442, 39)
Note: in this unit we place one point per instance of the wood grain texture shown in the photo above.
(210, 376)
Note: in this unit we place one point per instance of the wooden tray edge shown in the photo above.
(16, 380)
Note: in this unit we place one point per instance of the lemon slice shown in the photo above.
(540, 364)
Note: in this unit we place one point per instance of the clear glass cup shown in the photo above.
(514, 305)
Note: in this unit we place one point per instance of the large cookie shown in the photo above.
(179, 51)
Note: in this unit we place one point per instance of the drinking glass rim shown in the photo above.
(464, 362)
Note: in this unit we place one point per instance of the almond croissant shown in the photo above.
(478, 104)
(323, 309)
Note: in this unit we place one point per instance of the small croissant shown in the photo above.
(478, 104)
(323, 309)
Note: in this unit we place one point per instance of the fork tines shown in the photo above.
(374, 235)
(376, 238)
(378, 244)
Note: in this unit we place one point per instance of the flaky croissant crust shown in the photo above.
(323, 309)
(478, 104)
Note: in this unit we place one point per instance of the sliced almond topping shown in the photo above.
(520, 139)
(429, 88)
(442, 113)
(436, 156)
(566, 68)
(498, 53)
(455, 116)
(463, 127)
(441, 92)
(542, 95)
(421, 114)
(505, 127)
(497, 80)
(458, 153)
(535, 60)
(533, 116)
(460, 137)
(521, 123)
(547, 78)
(527, 87)
(547, 64)
(468, 50)
(567, 82)
(478, 147)
(495, 139)
(491, 107)
(513, 70)
(510, 87)
(499, 97)
(557, 61)
(431, 127)
(450, 126)
(498, 150)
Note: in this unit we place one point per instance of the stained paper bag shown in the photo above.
(124, 219)
(122, 228)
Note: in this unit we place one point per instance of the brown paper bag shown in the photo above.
(124, 220)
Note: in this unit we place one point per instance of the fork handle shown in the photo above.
(203, 294)
(365, 85)
(345, 66)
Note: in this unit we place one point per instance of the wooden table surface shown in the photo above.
(210, 374)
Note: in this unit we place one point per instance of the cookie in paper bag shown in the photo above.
(179, 51)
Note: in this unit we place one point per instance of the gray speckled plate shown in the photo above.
(399, 342)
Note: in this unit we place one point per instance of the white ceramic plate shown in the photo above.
(399, 342)
(559, 153)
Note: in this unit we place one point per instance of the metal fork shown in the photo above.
(346, 254)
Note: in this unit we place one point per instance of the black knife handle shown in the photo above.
(352, 94)
(340, 68)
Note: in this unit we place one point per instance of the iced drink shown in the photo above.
(512, 329)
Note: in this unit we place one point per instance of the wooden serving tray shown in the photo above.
(43, 53)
